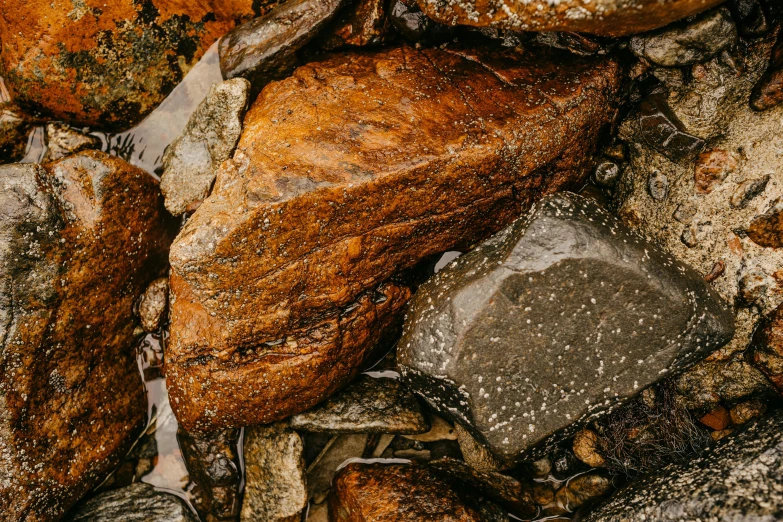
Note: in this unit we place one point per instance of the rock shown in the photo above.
(191, 161)
(745, 411)
(718, 419)
(768, 92)
(14, 128)
(152, 304)
(607, 173)
(662, 130)
(343, 208)
(365, 24)
(138, 502)
(79, 241)
(693, 42)
(108, 64)
(339, 449)
(609, 18)
(213, 464)
(747, 190)
(474, 452)
(263, 49)
(752, 19)
(658, 185)
(401, 493)
(63, 140)
(766, 351)
(766, 229)
(368, 405)
(576, 492)
(413, 25)
(576, 43)
(565, 278)
(440, 430)
(712, 168)
(586, 448)
(706, 384)
(736, 479)
(275, 486)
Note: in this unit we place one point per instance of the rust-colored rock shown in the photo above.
(401, 493)
(79, 241)
(712, 167)
(767, 229)
(103, 63)
(607, 17)
(718, 419)
(767, 348)
(348, 172)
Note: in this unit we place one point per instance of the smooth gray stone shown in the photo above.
(138, 502)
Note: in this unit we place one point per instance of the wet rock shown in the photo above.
(718, 419)
(108, 64)
(586, 448)
(607, 173)
(14, 128)
(368, 405)
(474, 452)
(402, 493)
(363, 25)
(79, 241)
(661, 129)
(339, 449)
(264, 49)
(768, 92)
(694, 42)
(751, 16)
(706, 384)
(191, 161)
(609, 18)
(461, 346)
(576, 492)
(138, 502)
(745, 411)
(415, 26)
(439, 430)
(265, 325)
(152, 304)
(63, 140)
(766, 230)
(766, 351)
(713, 167)
(736, 479)
(275, 486)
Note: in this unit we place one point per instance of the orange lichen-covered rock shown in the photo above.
(79, 241)
(348, 172)
(103, 63)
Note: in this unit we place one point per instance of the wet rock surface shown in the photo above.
(135, 503)
(766, 350)
(738, 479)
(319, 184)
(63, 140)
(602, 313)
(152, 304)
(192, 160)
(80, 240)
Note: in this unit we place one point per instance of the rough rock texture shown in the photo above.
(338, 450)
(108, 64)
(737, 479)
(152, 304)
(191, 161)
(561, 315)
(79, 241)
(362, 25)
(402, 493)
(689, 43)
(13, 133)
(63, 140)
(350, 171)
(138, 502)
(275, 485)
(413, 25)
(767, 348)
(264, 49)
(608, 17)
(768, 92)
(368, 405)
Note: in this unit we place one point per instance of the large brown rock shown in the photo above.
(108, 64)
(348, 172)
(79, 240)
(606, 17)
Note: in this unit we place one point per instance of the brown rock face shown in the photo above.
(767, 348)
(607, 17)
(348, 172)
(108, 64)
(79, 241)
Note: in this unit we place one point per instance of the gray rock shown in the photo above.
(368, 405)
(152, 304)
(63, 140)
(263, 49)
(13, 133)
(553, 320)
(275, 485)
(694, 42)
(739, 479)
(138, 502)
(190, 163)
(607, 173)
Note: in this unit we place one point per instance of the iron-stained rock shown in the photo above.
(348, 172)
(138, 502)
(556, 318)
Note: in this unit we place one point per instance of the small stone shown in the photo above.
(753, 285)
(717, 270)
(767, 229)
(368, 405)
(766, 349)
(712, 167)
(440, 430)
(14, 128)
(744, 411)
(663, 131)
(717, 435)
(542, 467)
(684, 212)
(275, 483)
(362, 25)
(422, 456)
(474, 452)
(138, 502)
(579, 490)
(718, 419)
(607, 173)
(63, 140)
(586, 448)
(152, 304)
(748, 190)
(658, 185)
(694, 42)
(191, 161)
(339, 449)
(690, 236)
(768, 92)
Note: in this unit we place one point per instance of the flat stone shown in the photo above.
(191, 161)
(63, 140)
(13, 133)
(552, 321)
(320, 207)
(275, 484)
(80, 239)
(685, 44)
(368, 405)
(138, 502)
(609, 17)
(737, 479)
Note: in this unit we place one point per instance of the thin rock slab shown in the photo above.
(79, 241)
(737, 479)
(549, 323)
(348, 172)
(138, 502)
(368, 405)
